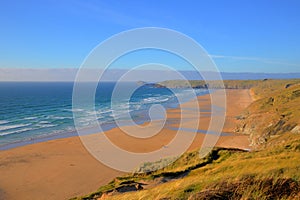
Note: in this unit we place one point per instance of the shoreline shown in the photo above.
(73, 133)
(62, 168)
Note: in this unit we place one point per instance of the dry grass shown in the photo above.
(276, 112)
(269, 174)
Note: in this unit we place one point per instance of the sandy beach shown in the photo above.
(62, 168)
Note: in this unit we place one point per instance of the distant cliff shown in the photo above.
(226, 84)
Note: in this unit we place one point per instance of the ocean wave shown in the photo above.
(70, 128)
(54, 117)
(103, 112)
(44, 122)
(16, 131)
(136, 106)
(74, 110)
(155, 100)
(30, 118)
(83, 124)
(46, 125)
(4, 122)
(87, 120)
(60, 117)
(122, 106)
(91, 112)
(7, 127)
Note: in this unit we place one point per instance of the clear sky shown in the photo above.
(241, 36)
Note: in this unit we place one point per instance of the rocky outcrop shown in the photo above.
(262, 127)
(296, 129)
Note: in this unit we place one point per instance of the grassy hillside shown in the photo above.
(269, 172)
(276, 111)
(234, 175)
(270, 87)
(224, 174)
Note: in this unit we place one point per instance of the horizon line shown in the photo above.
(121, 69)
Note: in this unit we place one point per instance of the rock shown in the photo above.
(104, 196)
(288, 85)
(296, 129)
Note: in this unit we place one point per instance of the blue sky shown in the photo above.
(241, 36)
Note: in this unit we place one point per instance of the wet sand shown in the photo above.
(62, 168)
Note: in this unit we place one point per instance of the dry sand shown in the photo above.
(61, 169)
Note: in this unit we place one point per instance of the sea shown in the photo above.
(32, 112)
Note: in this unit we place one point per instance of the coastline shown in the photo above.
(89, 129)
(62, 168)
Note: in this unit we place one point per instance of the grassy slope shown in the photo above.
(238, 170)
(276, 111)
(272, 172)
